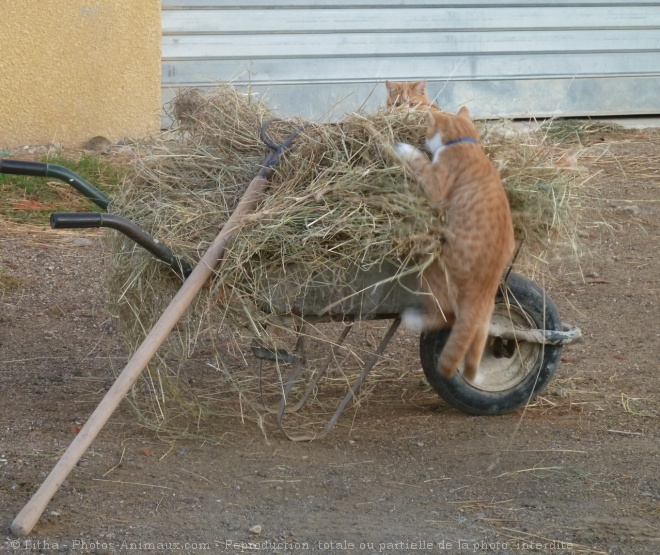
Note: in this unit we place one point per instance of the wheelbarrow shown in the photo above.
(523, 352)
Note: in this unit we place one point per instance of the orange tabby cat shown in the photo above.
(478, 239)
(408, 93)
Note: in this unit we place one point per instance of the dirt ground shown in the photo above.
(577, 472)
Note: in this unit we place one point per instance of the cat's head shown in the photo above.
(444, 128)
(407, 93)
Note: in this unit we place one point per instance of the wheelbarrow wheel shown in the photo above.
(511, 372)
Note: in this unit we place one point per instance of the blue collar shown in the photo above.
(462, 140)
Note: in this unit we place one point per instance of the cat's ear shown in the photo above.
(391, 87)
(464, 112)
(419, 87)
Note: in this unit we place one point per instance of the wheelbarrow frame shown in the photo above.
(381, 295)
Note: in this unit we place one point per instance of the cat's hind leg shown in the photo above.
(475, 352)
(471, 330)
(468, 336)
(461, 337)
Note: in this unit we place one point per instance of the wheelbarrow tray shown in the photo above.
(379, 291)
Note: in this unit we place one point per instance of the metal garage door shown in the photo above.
(515, 59)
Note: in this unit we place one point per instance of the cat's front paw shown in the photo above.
(405, 151)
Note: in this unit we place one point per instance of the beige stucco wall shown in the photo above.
(74, 69)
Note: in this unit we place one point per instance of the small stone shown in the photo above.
(256, 529)
(81, 242)
(592, 275)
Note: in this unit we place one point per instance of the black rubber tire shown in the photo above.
(461, 394)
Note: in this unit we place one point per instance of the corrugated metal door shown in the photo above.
(515, 59)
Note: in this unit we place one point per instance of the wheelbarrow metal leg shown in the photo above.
(326, 365)
(284, 407)
(375, 357)
(298, 367)
(287, 382)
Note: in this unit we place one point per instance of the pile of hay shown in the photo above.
(339, 199)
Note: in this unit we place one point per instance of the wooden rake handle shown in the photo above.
(29, 515)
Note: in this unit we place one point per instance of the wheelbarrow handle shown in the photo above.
(79, 220)
(38, 169)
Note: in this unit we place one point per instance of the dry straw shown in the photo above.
(340, 199)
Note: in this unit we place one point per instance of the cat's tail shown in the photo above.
(466, 341)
